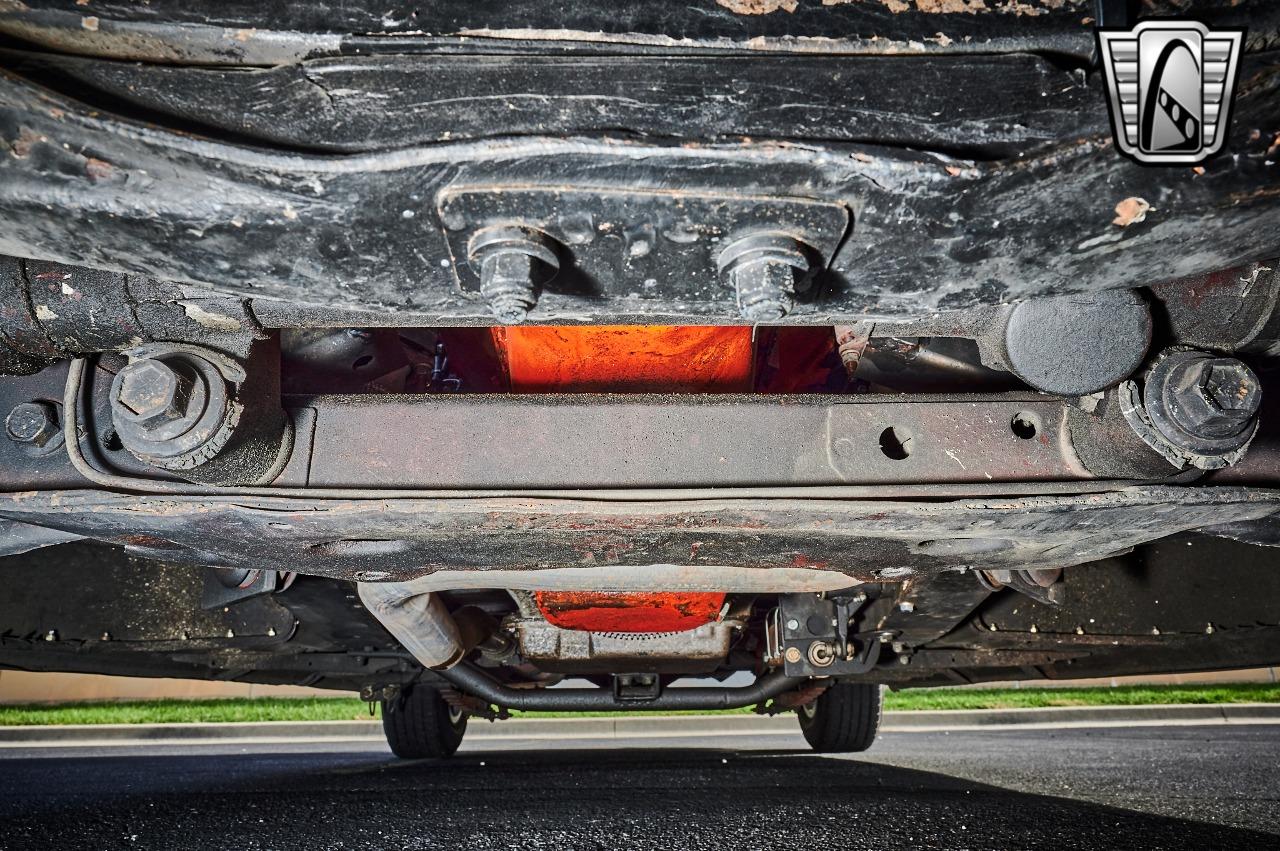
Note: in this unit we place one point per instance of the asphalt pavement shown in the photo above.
(1201, 787)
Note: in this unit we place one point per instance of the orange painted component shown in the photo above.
(602, 611)
(627, 359)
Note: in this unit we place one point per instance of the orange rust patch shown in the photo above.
(1030, 8)
(27, 138)
(98, 169)
(758, 7)
(951, 7)
(1130, 211)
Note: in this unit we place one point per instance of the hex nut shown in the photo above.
(513, 263)
(1223, 395)
(765, 271)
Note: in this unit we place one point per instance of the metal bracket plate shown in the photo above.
(635, 243)
(813, 642)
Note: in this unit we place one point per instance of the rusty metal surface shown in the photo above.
(931, 235)
(272, 32)
(355, 104)
(404, 538)
(1227, 310)
(238, 33)
(638, 440)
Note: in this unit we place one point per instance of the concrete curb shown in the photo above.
(661, 726)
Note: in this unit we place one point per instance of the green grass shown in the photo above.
(188, 711)
(352, 709)
(1029, 698)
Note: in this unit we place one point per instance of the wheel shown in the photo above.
(843, 719)
(419, 724)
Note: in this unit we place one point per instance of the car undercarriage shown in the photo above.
(453, 355)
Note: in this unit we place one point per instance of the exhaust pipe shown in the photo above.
(418, 619)
(473, 681)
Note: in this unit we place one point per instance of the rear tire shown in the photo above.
(420, 725)
(844, 719)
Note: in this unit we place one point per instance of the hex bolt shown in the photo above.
(172, 409)
(32, 423)
(766, 289)
(1201, 403)
(152, 393)
(513, 264)
(506, 282)
(766, 271)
